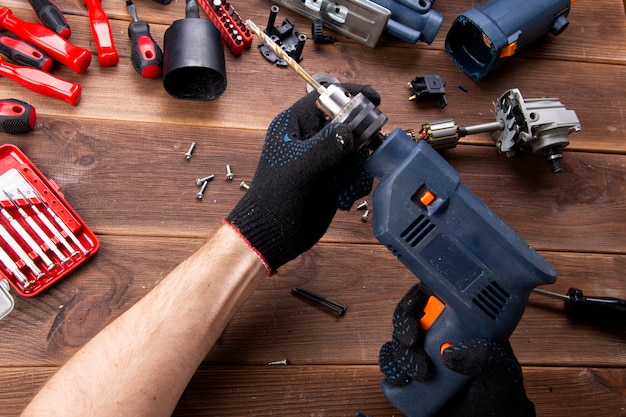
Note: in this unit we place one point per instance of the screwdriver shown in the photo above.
(609, 308)
(16, 116)
(59, 49)
(51, 17)
(23, 53)
(146, 55)
(101, 31)
(42, 82)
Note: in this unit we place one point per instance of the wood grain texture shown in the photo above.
(118, 158)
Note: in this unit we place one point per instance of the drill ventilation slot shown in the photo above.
(492, 300)
(417, 231)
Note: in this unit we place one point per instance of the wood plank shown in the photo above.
(341, 391)
(273, 324)
(125, 178)
(272, 89)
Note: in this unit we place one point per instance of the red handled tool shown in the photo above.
(42, 82)
(146, 55)
(101, 31)
(16, 116)
(51, 17)
(23, 53)
(59, 49)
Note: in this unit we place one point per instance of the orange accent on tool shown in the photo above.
(427, 198)
(444, 346)
(101, 31)
(42, 82)
(432, 310)
(59, 49)
(508, 50)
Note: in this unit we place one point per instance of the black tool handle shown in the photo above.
(610, 308)
(16, 116)
(51, 17)
(23, 53)
(146, 55)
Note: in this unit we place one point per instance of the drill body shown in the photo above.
(479, 270)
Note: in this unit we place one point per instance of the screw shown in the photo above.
(201, 192)
(229, 173)
(244, 185)
(188, 154)
(340, 309)
(362, 206)
(200, 181)
(365, 215)
(280, 362)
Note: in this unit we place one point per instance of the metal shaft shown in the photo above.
(38, 230)
(13, 268)
(44, 219)
(62, 225)
(15, 247)
(19, 229)
(481, 128)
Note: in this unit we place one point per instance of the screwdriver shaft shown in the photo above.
(13, 268)
(52, 228)
(27, 238)
(19, 251)
(64, 227)
(38, 230)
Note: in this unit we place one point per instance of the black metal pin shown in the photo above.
(334, 306)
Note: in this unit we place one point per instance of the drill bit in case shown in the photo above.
(42, 238)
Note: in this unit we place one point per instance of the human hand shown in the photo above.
(306, 171)
(496, 388)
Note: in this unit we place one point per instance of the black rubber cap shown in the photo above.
(193, 60)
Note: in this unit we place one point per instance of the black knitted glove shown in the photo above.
(306, 171)
(497, 387)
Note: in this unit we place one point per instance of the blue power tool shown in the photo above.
(479, 270)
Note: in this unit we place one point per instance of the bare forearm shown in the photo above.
(140, 364)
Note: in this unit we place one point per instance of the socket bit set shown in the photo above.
(42, 238)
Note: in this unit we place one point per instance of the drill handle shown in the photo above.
(426, 398)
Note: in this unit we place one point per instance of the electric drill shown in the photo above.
(480, 271)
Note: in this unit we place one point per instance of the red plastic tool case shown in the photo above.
(42, 238)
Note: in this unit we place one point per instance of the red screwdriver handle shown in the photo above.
(101, 30)
(59, 49)
(42, 82)
(51, 17)
(23, 53)
(146, 55)
(16, 116)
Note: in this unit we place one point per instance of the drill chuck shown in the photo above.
(358, 112)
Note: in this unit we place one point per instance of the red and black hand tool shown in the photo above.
(16, 116)
(59, 49)
(146, 55)
(23, 53)
(51, 17)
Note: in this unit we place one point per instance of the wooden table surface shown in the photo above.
(119, 159)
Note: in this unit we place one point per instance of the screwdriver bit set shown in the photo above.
(42, 238)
